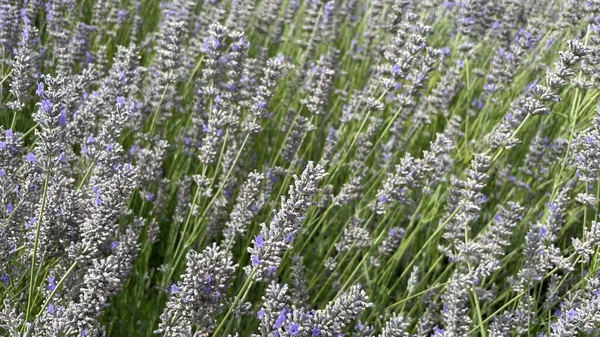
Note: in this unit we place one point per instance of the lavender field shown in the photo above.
(290, 168)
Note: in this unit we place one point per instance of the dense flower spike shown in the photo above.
(200, 296)
(269, 246)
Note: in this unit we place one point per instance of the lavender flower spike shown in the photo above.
(278, 236)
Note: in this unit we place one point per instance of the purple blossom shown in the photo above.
(449, 4)
(477, 103)
(51, 283)
(280, 319)
(62, 118)
(46, 105)
(437, 330)
(97, 200)
(5, 279)
(255, 260)
(40, 89)
(358, 326)
(293, 329)
(30, 157)
(259, 242)
(289, 238)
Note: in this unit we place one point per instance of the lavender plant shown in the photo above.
(299, 168)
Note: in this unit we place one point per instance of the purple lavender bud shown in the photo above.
(46, 105)
(5, 279)
(289, 238)
(489, 87)
(62, 118)
(40, 89)
(358, 326)
(280, 319)
(477, 103)
(255, 260)
(259, 242)
(293, 329)
(437, 330)
(51, 283)
(30, 157)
